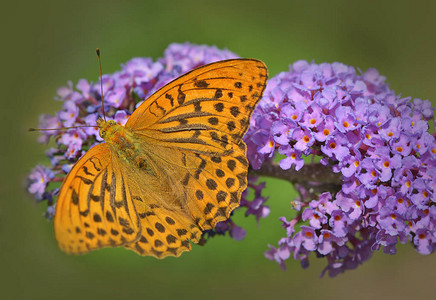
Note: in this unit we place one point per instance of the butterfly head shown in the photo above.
(107, 128)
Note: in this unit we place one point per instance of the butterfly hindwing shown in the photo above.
(165, 233)
(94, 207)
(213, 186)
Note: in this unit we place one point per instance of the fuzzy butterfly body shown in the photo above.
(177, 168)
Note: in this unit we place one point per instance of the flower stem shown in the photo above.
(318, 177)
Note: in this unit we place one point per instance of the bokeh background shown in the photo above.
(46, 43)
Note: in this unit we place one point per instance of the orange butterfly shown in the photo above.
(176, 168)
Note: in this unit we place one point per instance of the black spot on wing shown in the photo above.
(201, 84)
(86, 171)
(218, 94)
(180, 96)
(169, 97)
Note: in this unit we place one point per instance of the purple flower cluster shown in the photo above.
(124, 90)
(379, 143)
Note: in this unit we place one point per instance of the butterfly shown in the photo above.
(177, 168)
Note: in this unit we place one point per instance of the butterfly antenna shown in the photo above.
(61, 128)
(101, 83)
(102, 106)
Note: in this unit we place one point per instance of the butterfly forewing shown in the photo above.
(204, 110)
(94, 207)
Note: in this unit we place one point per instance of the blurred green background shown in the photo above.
(46, 43)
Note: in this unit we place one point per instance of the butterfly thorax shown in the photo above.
(121, 140)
